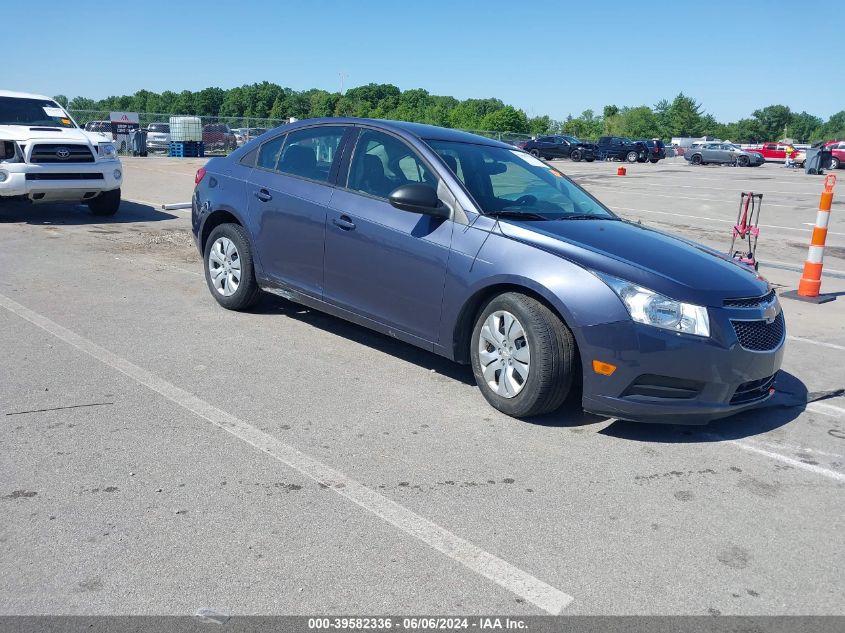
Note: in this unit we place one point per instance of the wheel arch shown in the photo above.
(464, 324)
(215, 219)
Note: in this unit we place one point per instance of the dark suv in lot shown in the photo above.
(560, 147)
(622, 148)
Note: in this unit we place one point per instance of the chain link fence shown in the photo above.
(220, 134)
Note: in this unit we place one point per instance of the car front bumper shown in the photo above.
(671, 378)
(61, 181)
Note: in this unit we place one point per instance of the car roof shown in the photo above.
(23, 95)
(421, 131)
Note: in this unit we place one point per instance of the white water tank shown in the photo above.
(185, 128)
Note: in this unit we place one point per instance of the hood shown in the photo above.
(26, 133)
(678, 268)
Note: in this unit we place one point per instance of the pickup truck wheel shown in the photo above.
(107, 203)
(631, 157)
(695, 159)
(834, 162)
(522, 356)
(229, 269)
(575, 155)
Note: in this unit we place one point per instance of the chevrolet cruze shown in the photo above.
(480, 252)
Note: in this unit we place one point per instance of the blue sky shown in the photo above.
(551, 58)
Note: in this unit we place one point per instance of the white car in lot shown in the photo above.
(46, 157)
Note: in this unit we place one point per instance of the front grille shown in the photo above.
(61, 176)
(759, 336)
(46, 153)
(753, 390)
(750, 302)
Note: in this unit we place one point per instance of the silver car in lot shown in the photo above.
(723, 153)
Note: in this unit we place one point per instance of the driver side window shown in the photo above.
(382, 163)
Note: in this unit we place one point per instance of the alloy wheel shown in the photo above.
(504, 354)
(224, 265)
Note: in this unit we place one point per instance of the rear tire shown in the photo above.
(631, 157)
(234, 265)
(107, 203)
(834, 162)
(653, 161)
(545, 342)
(535, 153)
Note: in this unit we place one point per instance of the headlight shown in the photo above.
(652, 308)
(107, 150)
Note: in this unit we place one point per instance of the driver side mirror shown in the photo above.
(418, 198)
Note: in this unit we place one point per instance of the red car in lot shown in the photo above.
(772, 151)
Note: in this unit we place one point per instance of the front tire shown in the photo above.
(696, 159)
(523, 356)
(229, 268)
(535, 153)
(106, 204)
(575, 155)
(631, 157)
(834, 163)
(653, 161)
(742, 161)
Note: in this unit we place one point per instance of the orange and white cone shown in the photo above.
(811, 279)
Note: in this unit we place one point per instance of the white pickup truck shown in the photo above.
(46, 157)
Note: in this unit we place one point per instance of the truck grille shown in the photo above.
(753, 390)
(759, 336)
(751, 302)
(64, 177)
(55, 153)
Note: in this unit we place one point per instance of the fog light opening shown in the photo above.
(604, 369)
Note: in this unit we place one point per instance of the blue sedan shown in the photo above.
(480, 252)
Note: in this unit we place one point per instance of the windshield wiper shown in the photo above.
(517, 215)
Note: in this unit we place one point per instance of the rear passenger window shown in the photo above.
(268, 155)
(309, 153)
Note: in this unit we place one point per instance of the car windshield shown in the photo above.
(159, 127)
(512, 182)
(34, 112)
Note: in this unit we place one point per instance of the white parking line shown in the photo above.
(589, 185)
(513, 579)
(795, 463)
(722, 220)
(801, 339)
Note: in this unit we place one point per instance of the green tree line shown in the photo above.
(683, 116)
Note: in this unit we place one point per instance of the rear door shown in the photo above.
(289, 194)
(383, 263)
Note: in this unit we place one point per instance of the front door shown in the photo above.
(383, 263)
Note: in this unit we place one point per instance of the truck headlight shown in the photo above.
(107, 150)
(652, 308)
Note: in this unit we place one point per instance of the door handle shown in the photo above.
(344, 222)
(263, 195)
